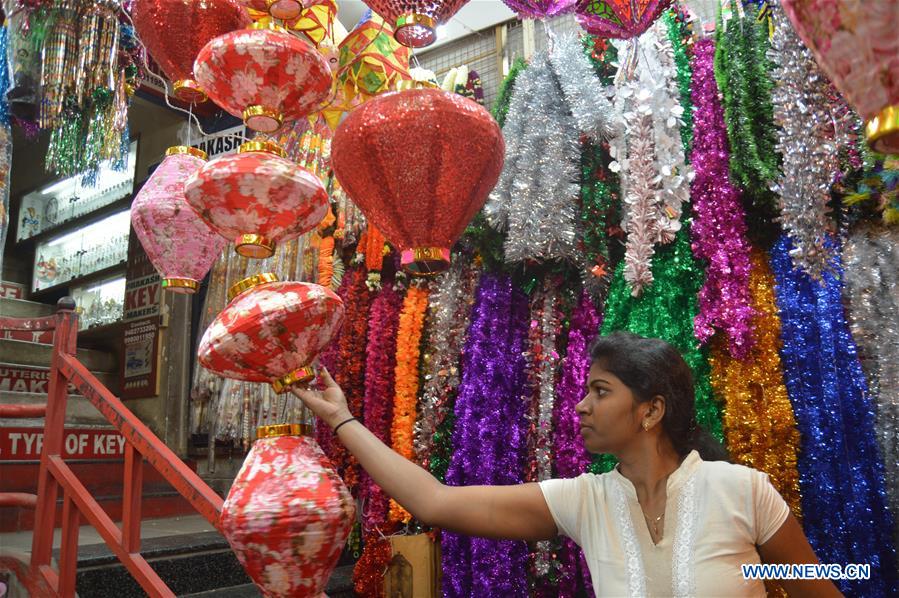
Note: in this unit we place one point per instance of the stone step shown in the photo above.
(19, 308)
(25, 353)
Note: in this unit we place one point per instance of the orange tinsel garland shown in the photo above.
(758, 418)
(325, 261)
(408, 343)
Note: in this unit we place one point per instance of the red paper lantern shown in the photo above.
(279, 9)
(264, 75)
(419, 164)
(174, 31)
(180, 245)
(271, 331)
(857, 45)
(257, 197)
(416, 21)
(288, 514)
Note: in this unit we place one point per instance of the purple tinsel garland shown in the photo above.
(571, 458)
(719, 224)
(489, 439)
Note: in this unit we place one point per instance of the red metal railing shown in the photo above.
(77, 503)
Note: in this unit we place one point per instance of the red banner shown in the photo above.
(24, 444)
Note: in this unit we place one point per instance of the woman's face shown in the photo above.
(609, 416)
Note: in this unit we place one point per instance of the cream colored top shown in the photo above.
(716, 514)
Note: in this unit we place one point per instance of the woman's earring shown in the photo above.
(646, 425)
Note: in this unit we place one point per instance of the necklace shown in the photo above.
(654, 525)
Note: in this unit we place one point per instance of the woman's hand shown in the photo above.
(328, 404)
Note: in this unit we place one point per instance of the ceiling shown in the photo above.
(474, 16)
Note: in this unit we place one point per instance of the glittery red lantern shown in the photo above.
(264, 75)
(416, 20)
(622, 19)
(257, 197)
(271, 331)
(174, 31)
(419, 164)
(288, 514)
(279, 9)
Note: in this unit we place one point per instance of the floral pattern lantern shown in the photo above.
(174, 32)
(621, 19)
(419, 164)
(257, 197)
(179, 244)
(288, 514)
(857, 45)
(271, 331)
(264, 75)
(279, 9)
(415, 21)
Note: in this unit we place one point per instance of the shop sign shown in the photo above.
(25, 444)
(11, 290)
(143, 290)
(27, 379)
(140, 358)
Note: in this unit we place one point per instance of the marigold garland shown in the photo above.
(408, 351)
(326, 261)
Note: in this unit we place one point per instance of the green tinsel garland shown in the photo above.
(678, 31)
(666, 310)
(501, 104)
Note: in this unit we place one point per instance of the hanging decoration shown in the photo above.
(271, 331)
(489, 440)
(504, 95)
(283, 10)
(419, 164)
(540, 9)
(288, 514)
(844, 505)
(621, 19)
(174, 32)
(873, 189)
(371, 61)
(317, 22)
(263, 75)
(872, 277)
(180, 245)
(257, 197)
(719, 224)
(416, 21)
(851, 43)
(5, 142)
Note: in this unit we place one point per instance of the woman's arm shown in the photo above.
(516, 512)
(789, 545)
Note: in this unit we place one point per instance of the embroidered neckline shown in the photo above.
(636, 576)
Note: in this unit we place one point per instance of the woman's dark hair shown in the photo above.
(650, 367)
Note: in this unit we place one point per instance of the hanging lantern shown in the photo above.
(264, 75)
(316, 22)
(419, 164)
(415, 21)
(257, 197)
(174, 31)
(540, 9)
(179, 244)
(288, 514)
(279, 9)
(621, 19)
(271, 331)
(857, 46)
(371, 61)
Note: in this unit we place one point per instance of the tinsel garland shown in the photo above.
(719, 223)
(808, 143)
(490, 438)
(368, 573)
(5, 144)
(678, 30)
(872, 297)
(758, 419)
(844, 502)
(408, 351)
(570, 458)
(504, 95)
(447, 322)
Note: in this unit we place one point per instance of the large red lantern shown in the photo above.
(179, 244)
(857, 45)
(415, 21)
(279, 9)
(257, 197)
(271, 331)
(419, 164)
(288, 514)
(174, 31)
(622, 19)
(264, 75)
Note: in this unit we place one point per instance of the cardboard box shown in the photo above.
(415, 570)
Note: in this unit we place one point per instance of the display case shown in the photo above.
(101, 302)
(57, 203)
(92, 248)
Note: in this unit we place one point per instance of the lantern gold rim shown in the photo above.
(188, 90)
(882, 131)
(298, 376)
(267, 24)
(267, 147)
(254, 246)
(186, 149)
(180, 285)
(250, 282)
(415, 21)
(277, 430)
(263, 119)
(274, 9)
(425, 261)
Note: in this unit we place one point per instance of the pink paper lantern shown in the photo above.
(180, 245)
(415, 21)
(621, 19)
(540, 9)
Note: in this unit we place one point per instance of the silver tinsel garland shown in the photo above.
(871, 265)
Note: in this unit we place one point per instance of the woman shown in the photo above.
(665, 522)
